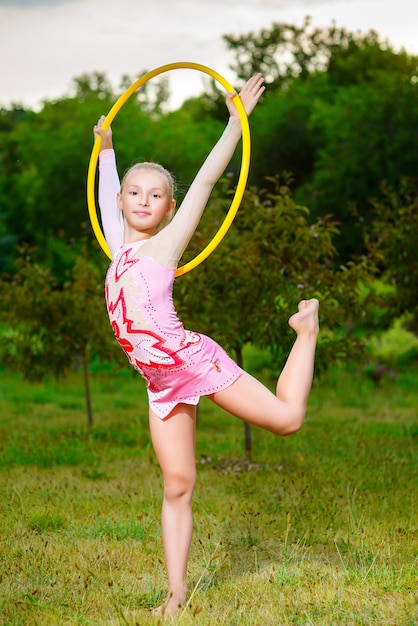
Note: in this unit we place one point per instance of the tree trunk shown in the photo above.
(248, 444)
(87, 386)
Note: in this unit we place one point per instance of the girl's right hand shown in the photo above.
(106, 135)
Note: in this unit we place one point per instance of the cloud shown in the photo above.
(31, 4)
(50, 42)
(269, 4)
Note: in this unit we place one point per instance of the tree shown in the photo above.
(339, 113)
(282, 138)
(45, 200)
(365, 136)
(47, 328)
(394, 236)
(8, 120)
(285, 51)
(272, 258)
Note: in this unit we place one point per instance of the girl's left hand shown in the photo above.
(106, 135)
(249, 95)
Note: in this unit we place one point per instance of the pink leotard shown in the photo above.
(178, 365)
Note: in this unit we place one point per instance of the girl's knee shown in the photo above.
(179, 485)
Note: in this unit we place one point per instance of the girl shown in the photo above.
(178, 365)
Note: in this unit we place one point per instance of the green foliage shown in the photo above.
(8, 121)
(281, 135)
(285, 51)
(47, 179)
(394, 346)
(286, 54)
(47, 327)
(339, 113)
(376, 298)
(363, 135)
(256, 360)
(274, 258)
(44, 160)
(394, 236)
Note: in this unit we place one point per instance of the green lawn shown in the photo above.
(322, 527)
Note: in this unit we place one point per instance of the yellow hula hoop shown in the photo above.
(245, 160)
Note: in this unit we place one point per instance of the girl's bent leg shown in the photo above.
(174, 443)
(284, 412)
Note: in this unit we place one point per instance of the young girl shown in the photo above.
(179, 365)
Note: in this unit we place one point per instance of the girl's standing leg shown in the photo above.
(282, 413)
(174, 443)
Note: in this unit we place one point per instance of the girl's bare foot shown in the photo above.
(172, 604)
(305, 321)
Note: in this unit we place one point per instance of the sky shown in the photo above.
(45, 44)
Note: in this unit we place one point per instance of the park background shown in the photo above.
(316, 529)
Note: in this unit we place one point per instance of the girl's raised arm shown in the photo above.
(109, 186)
(176, 235)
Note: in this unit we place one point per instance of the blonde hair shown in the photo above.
(155, 167)
(168, 179)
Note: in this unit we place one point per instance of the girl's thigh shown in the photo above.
(248, 399)
(174, 439)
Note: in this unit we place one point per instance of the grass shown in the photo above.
(321, 529)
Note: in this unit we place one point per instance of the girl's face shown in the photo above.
(145, 202)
